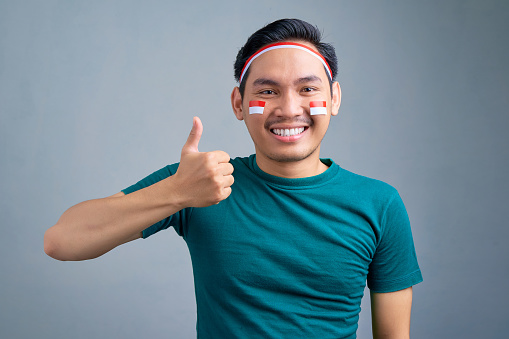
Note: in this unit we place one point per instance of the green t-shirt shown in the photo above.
(288, 258)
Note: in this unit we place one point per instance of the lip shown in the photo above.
(287, 126)
(291, 138)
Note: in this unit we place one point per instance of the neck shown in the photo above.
(308, 167)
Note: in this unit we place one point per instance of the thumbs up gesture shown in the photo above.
(204, 178)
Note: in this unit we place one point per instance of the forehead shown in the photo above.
(287, 63)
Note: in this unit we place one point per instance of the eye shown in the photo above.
(308, 89)
(267, 91)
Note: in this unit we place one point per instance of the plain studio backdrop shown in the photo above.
(96, 95)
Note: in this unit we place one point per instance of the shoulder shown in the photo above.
(243, 167)
(153, 178)
(242, 162)
(366, 186)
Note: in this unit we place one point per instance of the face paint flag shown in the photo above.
(256, 107)
(317, 108)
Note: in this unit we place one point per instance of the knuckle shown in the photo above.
(222, 155)
(227, 192)
(214, 186)
(208, 158)
(217, 199)
(210, 172)
(218, 185)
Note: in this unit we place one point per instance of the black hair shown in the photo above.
(284, 30)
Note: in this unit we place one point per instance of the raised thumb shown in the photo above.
(191, 145)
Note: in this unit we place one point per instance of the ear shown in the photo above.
(236, 99)
(336, 98)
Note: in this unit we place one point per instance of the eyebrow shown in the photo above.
(265, 81)
(309, 78)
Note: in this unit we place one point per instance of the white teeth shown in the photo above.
(288, 132)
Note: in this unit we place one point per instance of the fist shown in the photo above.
(204, 178)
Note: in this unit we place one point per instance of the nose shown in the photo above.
(290, 106)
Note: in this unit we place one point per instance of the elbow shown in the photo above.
(58, 245)
(51, 245)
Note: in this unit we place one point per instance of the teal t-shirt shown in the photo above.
(288, 258)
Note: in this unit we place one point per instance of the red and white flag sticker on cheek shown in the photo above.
(256, 107)
(317, 108)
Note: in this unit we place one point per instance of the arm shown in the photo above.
(390, 314)
(92, 228)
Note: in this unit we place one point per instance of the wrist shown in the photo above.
(174, 193)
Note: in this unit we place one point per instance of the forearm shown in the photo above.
(92, 228)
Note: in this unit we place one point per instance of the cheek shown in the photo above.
(318, 107)
(254, 122)
(256, 107)
(321, 121)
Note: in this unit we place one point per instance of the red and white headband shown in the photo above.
(279, 45)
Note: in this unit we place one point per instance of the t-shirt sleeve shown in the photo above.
(175, 220)
(394, 266)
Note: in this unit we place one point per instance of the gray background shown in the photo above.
(95, 95)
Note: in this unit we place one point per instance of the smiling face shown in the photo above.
(286, 134)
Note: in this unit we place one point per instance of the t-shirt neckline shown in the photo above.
(307, 182)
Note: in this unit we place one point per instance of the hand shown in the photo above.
(204, 178)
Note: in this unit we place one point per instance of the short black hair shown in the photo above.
(284, 30)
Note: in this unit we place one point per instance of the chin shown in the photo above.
(290, 157)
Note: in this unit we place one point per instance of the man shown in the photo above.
(286, 249)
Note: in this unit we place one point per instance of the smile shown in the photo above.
(287, 132)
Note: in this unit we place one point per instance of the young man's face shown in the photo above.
(287, 80)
